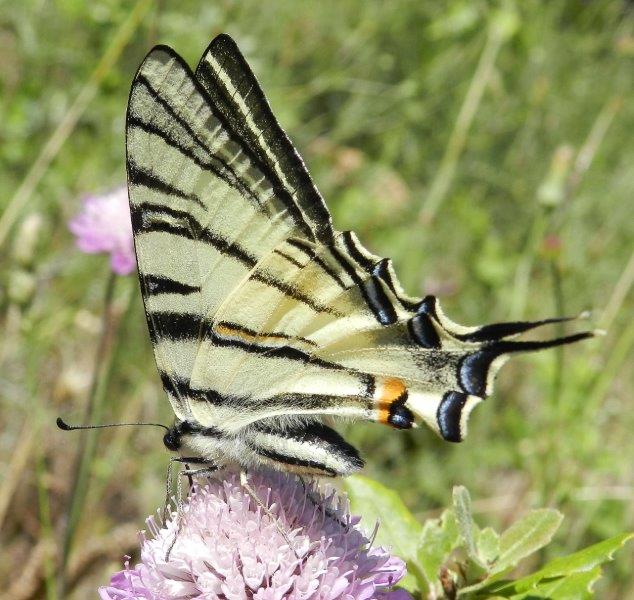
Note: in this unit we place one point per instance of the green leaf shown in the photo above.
(462, 510)
(526, 536)
(577, 586)
(562, 578)
(488, 545)
(438, 538)
(579, 562)
(398, 529)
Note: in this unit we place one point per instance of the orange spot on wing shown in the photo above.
(391, 389)
(230, 332)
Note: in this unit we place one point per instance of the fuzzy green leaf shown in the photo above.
(579, 562)
(438, 538)
(462, 510)
(562, 578)
(577, 586)
(488, 545)
(526, 536)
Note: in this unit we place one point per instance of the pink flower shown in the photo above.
(104, 225)
(227, 547)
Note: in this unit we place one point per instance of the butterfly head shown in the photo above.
(179, 433)
(172, 438)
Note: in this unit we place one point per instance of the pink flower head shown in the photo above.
(104, 225)
(228, 547)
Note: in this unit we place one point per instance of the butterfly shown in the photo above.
(266, 322)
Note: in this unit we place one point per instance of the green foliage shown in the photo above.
(529, 148)
(438, 539)
(457, 559)
(526, 536)
(377, 503)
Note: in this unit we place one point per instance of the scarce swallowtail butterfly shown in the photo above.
(266, 322)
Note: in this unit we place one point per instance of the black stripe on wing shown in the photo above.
(177, 326)
(314, 434)
(139, 176)
(381, 269)
(153, 217)
(266, 138)
(216, 164)
(384, 271)
(310, 251)
(289, 258)
(181, 388)
(263, 334)
(279, 191)
(287, 459)
(292, 292)
(213, 165)
(286, 352)
(371, 290)
(155, 285)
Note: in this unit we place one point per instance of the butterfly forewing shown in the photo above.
(234, 89)
(203, 213)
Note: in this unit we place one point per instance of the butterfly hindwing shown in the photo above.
(329, 337)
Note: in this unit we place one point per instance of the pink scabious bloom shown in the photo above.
(104, 225)
(228, 547)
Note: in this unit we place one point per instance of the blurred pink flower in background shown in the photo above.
(227, 547)
(104, 225)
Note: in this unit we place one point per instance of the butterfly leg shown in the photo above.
(319, 505)
(265, 509)
(210, 468)
(168, 480)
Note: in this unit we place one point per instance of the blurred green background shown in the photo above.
(486, 147)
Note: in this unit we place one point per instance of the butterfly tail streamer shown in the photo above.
(484, 351)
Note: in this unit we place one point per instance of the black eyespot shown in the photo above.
(401, 419)
(400, 416)
(449, 414)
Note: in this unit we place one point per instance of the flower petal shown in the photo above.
(227, 545)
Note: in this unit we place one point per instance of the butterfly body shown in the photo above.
(265, 321)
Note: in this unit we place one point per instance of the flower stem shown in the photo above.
(92, 414)
(44, 505)
(458, 138)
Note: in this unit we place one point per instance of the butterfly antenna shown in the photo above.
(66, 427)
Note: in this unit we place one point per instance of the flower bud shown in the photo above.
(26, 239)
(21, 286)
(552, 191)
